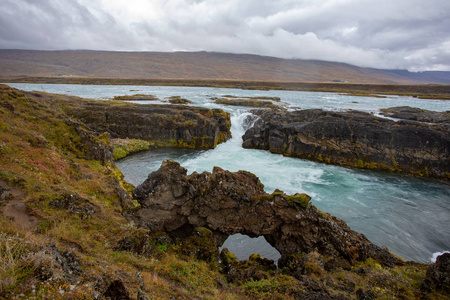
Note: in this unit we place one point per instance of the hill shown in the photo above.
(198, 66)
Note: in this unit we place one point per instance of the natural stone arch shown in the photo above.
(235, 202)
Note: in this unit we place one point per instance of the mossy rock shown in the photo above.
(255, 268)
(136, 97)
(228, 257)
(138, 241)
(179, 100)
(203, 232)
(301, 199)
(201, 245)
(125, 147)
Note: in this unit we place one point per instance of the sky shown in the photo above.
(388, 34)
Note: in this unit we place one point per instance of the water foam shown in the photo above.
(436, 254)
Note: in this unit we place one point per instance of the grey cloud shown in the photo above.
(410, 34)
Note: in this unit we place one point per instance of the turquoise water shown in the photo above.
(408, 215)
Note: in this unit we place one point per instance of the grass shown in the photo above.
(124, 147)
(278, 287)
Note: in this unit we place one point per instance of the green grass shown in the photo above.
(124, 147)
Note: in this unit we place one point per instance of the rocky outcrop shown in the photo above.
(136, 97)
(438, 275)
(416, 114)
(96, 145)
(245, 102)
(227, 203)
(75, 204)
(165, 125)
(354, 139)
(178, 100)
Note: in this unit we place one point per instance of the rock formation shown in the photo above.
(245, 102)
(438, 275)
(227, 203)
(174, 125)
(96, 145)
(417, 114)
(354, 139)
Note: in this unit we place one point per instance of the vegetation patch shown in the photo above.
(178, 100)
(125, 147)
(246, 102)
(302, 199)
(136, 97)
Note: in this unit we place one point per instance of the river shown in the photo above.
(408, 215)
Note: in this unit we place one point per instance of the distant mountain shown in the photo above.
(199, 65)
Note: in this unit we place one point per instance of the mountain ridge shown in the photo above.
(199, 66)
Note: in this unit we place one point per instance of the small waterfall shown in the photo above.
(240, 123)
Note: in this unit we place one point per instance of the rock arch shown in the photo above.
(235, 202)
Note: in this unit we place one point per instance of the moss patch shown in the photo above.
(302, 199)
(125, 147)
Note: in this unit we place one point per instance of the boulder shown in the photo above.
(75, 204)
(117, 291)
(438, 275)
(5, 194)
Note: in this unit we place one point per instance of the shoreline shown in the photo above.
(425, 91)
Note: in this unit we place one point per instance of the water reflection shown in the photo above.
(243, 246)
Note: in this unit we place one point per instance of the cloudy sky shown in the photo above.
(397, 34)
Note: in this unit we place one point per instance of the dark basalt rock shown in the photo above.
(66, 260)
(416, 114)
(165, 125)
(75, 204)
(354, 139)
(245, 102)
(255, 268)
(178, 100)
(235, 202)
(96, 145)
(117, 291)
(438, 275)
(5, 194)
(200, 245)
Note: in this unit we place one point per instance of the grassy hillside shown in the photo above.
(63, 234)
(198, 66)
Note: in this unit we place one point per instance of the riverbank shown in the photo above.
(428, 91)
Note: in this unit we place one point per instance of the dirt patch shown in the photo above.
(16, 209)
